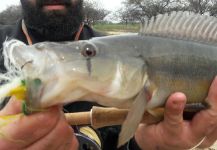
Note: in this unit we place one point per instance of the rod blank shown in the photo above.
(100, 117)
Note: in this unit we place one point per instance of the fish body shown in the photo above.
(136, 71)
(118, 72)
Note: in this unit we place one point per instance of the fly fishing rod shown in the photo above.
(100, 117)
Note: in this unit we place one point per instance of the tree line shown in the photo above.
(92, 12)
(131, 10)
(142, 10)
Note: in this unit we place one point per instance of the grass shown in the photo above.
(110, 27)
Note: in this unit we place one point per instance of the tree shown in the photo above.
(198, 6)
(93, 12)
(10, 15)
(201, 6)
(213, 8)
(143, 10)
(127, 15)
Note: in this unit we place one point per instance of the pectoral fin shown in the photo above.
(133, 119)
(158, 113)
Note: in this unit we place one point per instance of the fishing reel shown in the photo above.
(88, 138)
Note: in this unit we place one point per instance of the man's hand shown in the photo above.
(175, 133)
(41, 131)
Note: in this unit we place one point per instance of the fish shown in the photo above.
(172, 52)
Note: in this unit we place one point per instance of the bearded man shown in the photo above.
(62, 20)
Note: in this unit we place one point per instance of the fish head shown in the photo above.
(71, 71)
(109, 70)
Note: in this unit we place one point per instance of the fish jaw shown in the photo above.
(66, 91)
(108, 89)
(115, 91)
(108, 75)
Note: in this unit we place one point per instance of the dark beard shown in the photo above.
(53, 25)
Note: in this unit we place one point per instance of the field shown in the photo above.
(116, 28)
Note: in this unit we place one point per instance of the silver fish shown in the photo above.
(176, 52)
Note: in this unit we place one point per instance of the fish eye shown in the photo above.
(88, 51)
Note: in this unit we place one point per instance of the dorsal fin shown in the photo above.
(183, 25)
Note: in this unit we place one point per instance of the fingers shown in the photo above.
(175, 133)
(45, 130)
(12, 107)
(207, 119)
(174, 110)
(169, 133)
(74, 144)
(209, 140)
(61, 138)
(212, 95)
(29, 129)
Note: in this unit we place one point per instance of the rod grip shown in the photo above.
(80, 118)
(101, 116)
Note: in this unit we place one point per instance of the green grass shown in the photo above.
(103, 27)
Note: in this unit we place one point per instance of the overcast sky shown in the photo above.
(107, 4)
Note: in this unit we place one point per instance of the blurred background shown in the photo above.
(119, 16)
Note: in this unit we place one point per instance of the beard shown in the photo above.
(53, 25)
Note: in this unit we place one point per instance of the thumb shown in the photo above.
(173, 115)
(12, 107)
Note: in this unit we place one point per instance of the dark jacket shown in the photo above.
(109, 135)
